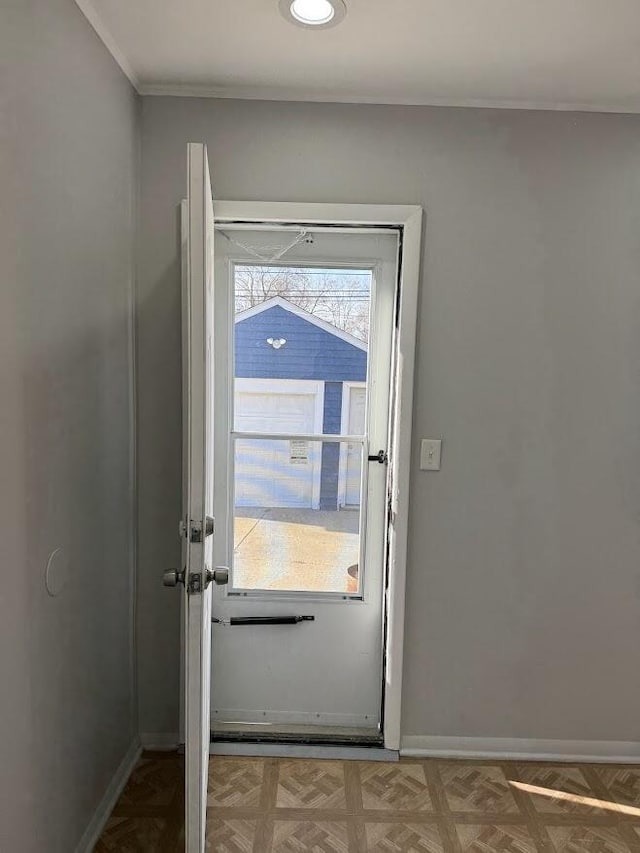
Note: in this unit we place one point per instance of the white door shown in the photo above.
(332, 320)
(198, 473)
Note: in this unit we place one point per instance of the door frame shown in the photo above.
(407, 221)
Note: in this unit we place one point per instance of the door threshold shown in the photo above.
(275, 740)
(307, 735)
(362, 736)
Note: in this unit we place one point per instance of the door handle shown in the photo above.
(219, 576)
(264, 620)
(173, 577)
(380, 456)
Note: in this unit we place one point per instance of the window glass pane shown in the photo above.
(298, 325)
(297, 515)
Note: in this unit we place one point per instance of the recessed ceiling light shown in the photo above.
(318, 14)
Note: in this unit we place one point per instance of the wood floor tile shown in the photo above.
(230, 836)
(631, 834)
(132, 835)
(476, 788)
(404, 838)
(486, 838)
(622, 785)
(557, 789)
(235, 781)
(154, 782)
(311, 784)
(400, 787)
(317, 836)
(587, 839)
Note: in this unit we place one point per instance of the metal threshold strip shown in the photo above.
(323, 737)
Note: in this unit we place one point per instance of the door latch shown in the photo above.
(194, 586)
(380, 456)
(219, 576)
(195, 529)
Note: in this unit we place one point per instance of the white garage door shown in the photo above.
(277, 473)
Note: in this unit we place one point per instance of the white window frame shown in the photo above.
(365, 591)
(367, 217)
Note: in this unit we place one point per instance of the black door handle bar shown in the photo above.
(264, 620)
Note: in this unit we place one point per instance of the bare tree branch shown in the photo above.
(340, 299)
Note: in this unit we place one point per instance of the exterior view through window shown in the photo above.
(301, 342)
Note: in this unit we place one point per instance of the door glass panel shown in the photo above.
(301, 338)
(291, 530)
(299, 324)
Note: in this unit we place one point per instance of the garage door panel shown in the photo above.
(270, 473)
(279, 405)
(274, 473)
(256, 423)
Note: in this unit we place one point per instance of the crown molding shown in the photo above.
(91, 14)
(277, 93)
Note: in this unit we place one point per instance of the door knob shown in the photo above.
(219, 576)
(172, 577)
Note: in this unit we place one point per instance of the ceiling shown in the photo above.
(555, 54)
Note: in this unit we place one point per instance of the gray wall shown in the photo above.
(69, 150)
(523, 605)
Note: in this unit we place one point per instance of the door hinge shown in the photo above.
(195, 528)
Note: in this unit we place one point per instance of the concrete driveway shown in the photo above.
(296, 549)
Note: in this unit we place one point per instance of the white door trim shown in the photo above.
(408, 218)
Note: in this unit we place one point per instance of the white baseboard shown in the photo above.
(163, 741)
(522, 749)
(105, 807)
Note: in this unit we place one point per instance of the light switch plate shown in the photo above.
(430, 452)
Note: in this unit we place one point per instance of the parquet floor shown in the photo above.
(414, 806)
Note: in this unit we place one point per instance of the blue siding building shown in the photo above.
(277, 340)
